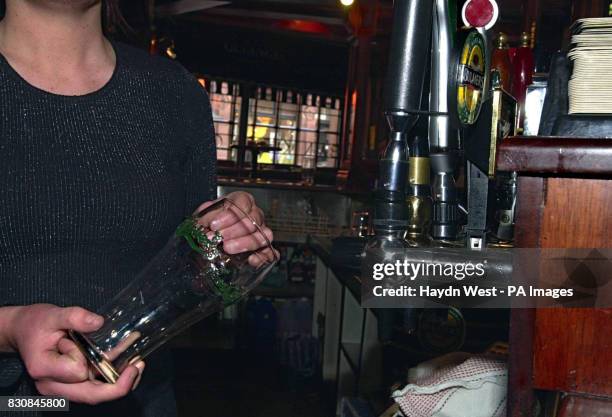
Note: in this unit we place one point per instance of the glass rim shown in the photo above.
(221, 201)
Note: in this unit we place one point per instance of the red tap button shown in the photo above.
(480, 13)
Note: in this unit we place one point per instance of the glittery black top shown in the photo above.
(92, 186)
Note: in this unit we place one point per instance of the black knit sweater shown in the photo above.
(92, 186)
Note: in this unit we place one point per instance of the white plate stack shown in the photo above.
(590, 88)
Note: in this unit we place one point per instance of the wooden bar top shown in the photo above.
(556, 156)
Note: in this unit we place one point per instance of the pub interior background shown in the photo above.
(296, 91)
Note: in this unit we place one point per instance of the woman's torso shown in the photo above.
(90, 186)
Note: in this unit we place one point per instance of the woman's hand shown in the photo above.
(239, 234)
(38, 333)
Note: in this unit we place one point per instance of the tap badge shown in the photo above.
(470, 77)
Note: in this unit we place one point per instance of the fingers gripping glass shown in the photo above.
(192, 277)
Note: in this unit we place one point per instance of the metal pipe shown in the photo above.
(443, 138)
(407, 62)
(440, 134)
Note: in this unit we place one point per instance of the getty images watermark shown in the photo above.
(500, 278)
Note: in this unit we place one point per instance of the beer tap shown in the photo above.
(402, 107)
(443, 139)
(457, 64)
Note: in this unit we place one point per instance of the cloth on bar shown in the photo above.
(455, 385)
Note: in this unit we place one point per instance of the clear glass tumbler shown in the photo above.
(191, 278)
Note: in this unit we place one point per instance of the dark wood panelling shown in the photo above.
(530, 207)
(561, 204)
(573, 350)
(578, 214)
(573, 347)
(588, 8)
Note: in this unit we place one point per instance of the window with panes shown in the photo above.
(305, 126)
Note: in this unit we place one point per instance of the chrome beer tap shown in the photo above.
(402, 105)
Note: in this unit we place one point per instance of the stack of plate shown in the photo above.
(590, 88)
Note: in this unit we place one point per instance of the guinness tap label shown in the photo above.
(470, 78)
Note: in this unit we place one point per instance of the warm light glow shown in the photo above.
(346, 2)
(306, 26)
(261, 132)
(170, 52)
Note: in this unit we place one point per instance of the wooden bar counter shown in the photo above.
(564, 201)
